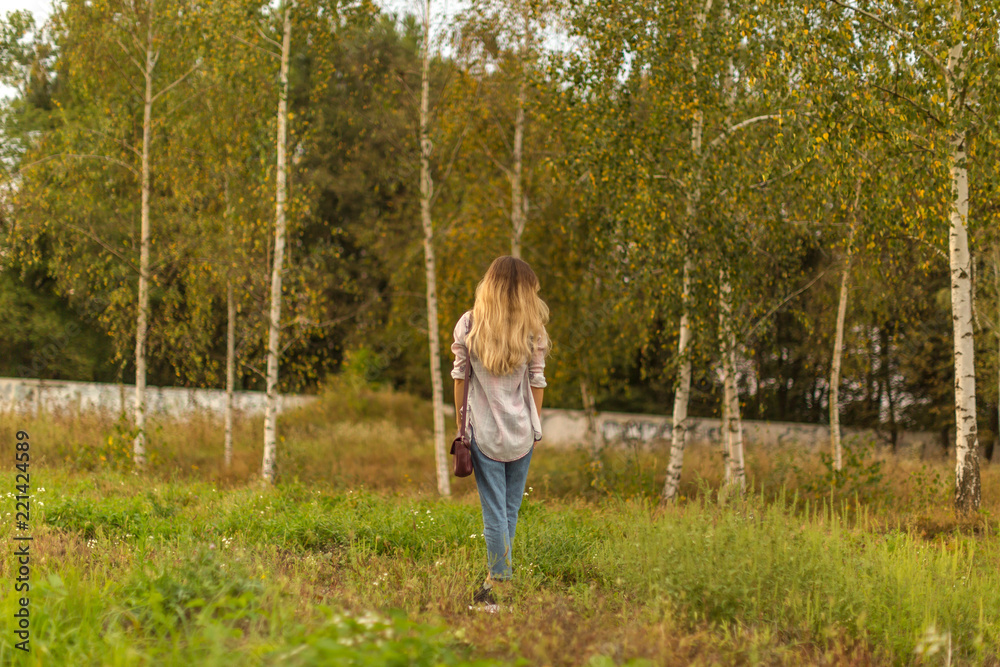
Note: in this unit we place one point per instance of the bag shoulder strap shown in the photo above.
(468, 376)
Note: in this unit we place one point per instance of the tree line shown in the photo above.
(783, 209)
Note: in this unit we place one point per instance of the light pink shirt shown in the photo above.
(501, 408)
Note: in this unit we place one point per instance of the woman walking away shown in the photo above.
(504, 339)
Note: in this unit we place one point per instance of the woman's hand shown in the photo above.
(537, 393)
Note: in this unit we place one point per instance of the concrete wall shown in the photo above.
(569, 427)
(38, 396)
(560, 427)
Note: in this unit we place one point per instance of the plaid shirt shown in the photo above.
(502, 411)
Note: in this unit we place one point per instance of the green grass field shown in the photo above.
(352, 559)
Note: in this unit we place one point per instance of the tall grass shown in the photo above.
(353, 559)
(808, 575)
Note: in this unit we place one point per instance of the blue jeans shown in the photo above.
(501, 487)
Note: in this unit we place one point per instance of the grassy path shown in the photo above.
(352, 559)
(132, 572)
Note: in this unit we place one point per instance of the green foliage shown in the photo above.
(187, 571)
(618, 472)
(118, 517)
(349, 397)
(766, 564)
(361, 366)
(42, 337)
(609, 172)
(371, 640)
(860, 476)
(930, 489)
(200, 584)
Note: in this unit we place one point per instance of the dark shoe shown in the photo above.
(484, 596)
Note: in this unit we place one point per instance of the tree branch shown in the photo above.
(978, 115)
(763, 184)
(124, 144)
(898, 31)
(259, 48)
(781, 305)
(739, 126)
(253, 368)
(177, 81)
(940, 253)
(267, 39)
(96, 239)
(125, 77)
(80, 156)
(142, 70)
(502, 167)
(906, 99)
(451, 163)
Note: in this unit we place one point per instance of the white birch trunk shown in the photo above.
(683, 394)
(678, 433)
(274, 318)
(142, 320)
(838, 349)
(727, 441)
(838, 344)
(591, 413)
(727, 372)
(737, 460)
(230, 370)
(732, 424)
(230, 336)
(518, 217)
(967, 482)
(426, 192)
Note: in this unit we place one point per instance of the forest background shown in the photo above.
(702, 188)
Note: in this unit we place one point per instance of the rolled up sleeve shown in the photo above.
(459, 349)
(536, 367)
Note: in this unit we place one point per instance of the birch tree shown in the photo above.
(838, 338)
(138, 35)
(732, 424)
(856, 179)
(667, 62)
(274, 313)
(967, 482)
(239, 75)
(838, 351)
(692, 202)
(225, 197)
(430, 269)
(147, 66)
(499, 43)
(939, 72)
(744, 98)
(120, 58)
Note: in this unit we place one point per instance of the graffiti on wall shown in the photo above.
(637, 429)
(653, 430)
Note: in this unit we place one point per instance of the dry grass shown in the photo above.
(562, 612)
(357, 436)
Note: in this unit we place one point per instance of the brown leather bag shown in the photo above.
(461, 447)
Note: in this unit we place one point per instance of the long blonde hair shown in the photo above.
(508, 317)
